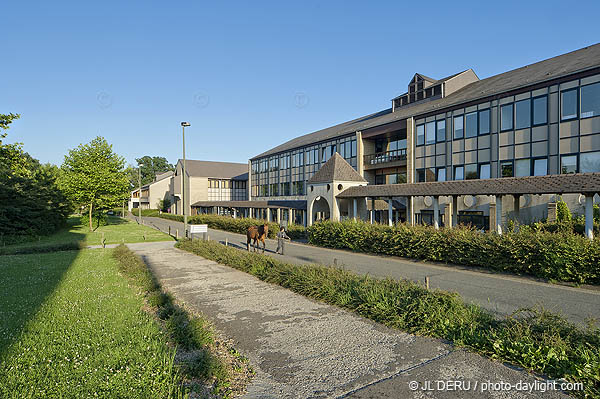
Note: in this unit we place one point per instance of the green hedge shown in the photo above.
(560, 256)
(532, 338)
(146, 212)
(239, 225)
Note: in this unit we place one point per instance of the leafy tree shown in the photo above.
(164, 204)
(95, 177)
(151, 167)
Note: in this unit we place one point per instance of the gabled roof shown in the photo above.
(563, 65)
(163, 175)
(336, 169)
(224, 170)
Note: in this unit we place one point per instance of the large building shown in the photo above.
(541, 119)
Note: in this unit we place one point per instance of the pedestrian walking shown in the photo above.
(281, 237)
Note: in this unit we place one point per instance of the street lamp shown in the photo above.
(140, 192)
(185, 225)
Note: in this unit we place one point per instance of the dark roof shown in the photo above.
(294, 204)
(552, 68)
(336, 169)
(224, 170)
(551, 184)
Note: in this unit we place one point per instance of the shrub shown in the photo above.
(561, 256)
(532, 338)
(239, 225)
(563, 213)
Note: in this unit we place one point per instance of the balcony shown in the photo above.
(388, 158)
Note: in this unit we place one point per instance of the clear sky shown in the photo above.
(248, 75)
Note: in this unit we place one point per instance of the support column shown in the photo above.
(290, 219)
(390, 212)
(454, 210)
(410, 215)
(304, 218)
(234, 213)
(279, 215)
(517, 207)
(436, 212)
(589, 216)
(372, 213)
(268, 215)
(499, 214)
(354, 208)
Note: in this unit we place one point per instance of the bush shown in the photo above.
(560, 256)
(41, 248)
(532, 338)
(563, 213)
(146, 212)
(239, 225)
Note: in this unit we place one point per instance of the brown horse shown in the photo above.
(258, 234)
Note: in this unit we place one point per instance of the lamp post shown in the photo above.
(185, 225)
(140, 192)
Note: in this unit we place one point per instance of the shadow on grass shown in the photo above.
(26, 281)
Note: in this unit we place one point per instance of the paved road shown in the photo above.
(499, 293)
(301, 348)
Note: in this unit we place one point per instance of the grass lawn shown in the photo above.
(117, 230)
(72, 327)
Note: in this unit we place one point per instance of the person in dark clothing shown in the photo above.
(281, 237)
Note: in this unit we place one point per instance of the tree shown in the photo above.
(152, 166)
(95, 177)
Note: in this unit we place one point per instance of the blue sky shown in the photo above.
(248, 75)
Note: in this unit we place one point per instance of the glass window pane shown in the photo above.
(507, 169)
(590, 162)
(568, 164)
(353, 148)
(471, 171)
(420, 175)
(430, 174)
(522, 168)
(430, 133)
(568, 104)
(441, 130)
(506, 122)
(590, 100)
(471, 124)
(523, 118)
(441, 174)
(484, 171)
(420, 134)
(540, 110)
(459, 173)
(458, 127)
(484, 121)
(540, 167)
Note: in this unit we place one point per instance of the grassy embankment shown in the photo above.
(532, 338)
(73, 326)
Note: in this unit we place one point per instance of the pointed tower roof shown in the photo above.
(336, 169)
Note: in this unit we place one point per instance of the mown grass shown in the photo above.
(76, 235)
(532, 338)
(72, 328)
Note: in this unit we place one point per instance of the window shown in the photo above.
(522, 167)
(430, 133)
(458, 127)
(471, 171)
(540, 110)
(441, 131)
(484, 171)
(506, 117)
(590, 162)
(540, 167)
(568, 164)
(420, 134)
(523, 111)
(484, 121)
(506, 169)
(471, 124)
(568, 104)
(420, 175)
(430, 174)
(441, 174)
(590, 100)
(459, 173)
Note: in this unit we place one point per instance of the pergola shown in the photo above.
(252, 206)
(587, 184)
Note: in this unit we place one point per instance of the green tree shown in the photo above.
(151, 167)
(563, 214)
(95, 177)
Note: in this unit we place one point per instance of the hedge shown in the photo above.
(146, 212)
(561, 256)
(532, 338)
(239, 225)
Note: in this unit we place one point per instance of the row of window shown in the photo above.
(583, 102)
(573, 163)
(228, 184)
(279, 189)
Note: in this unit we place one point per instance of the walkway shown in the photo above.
(500, 293)
(305, 349)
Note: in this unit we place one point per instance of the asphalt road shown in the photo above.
(302, 348)
(500, 293)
